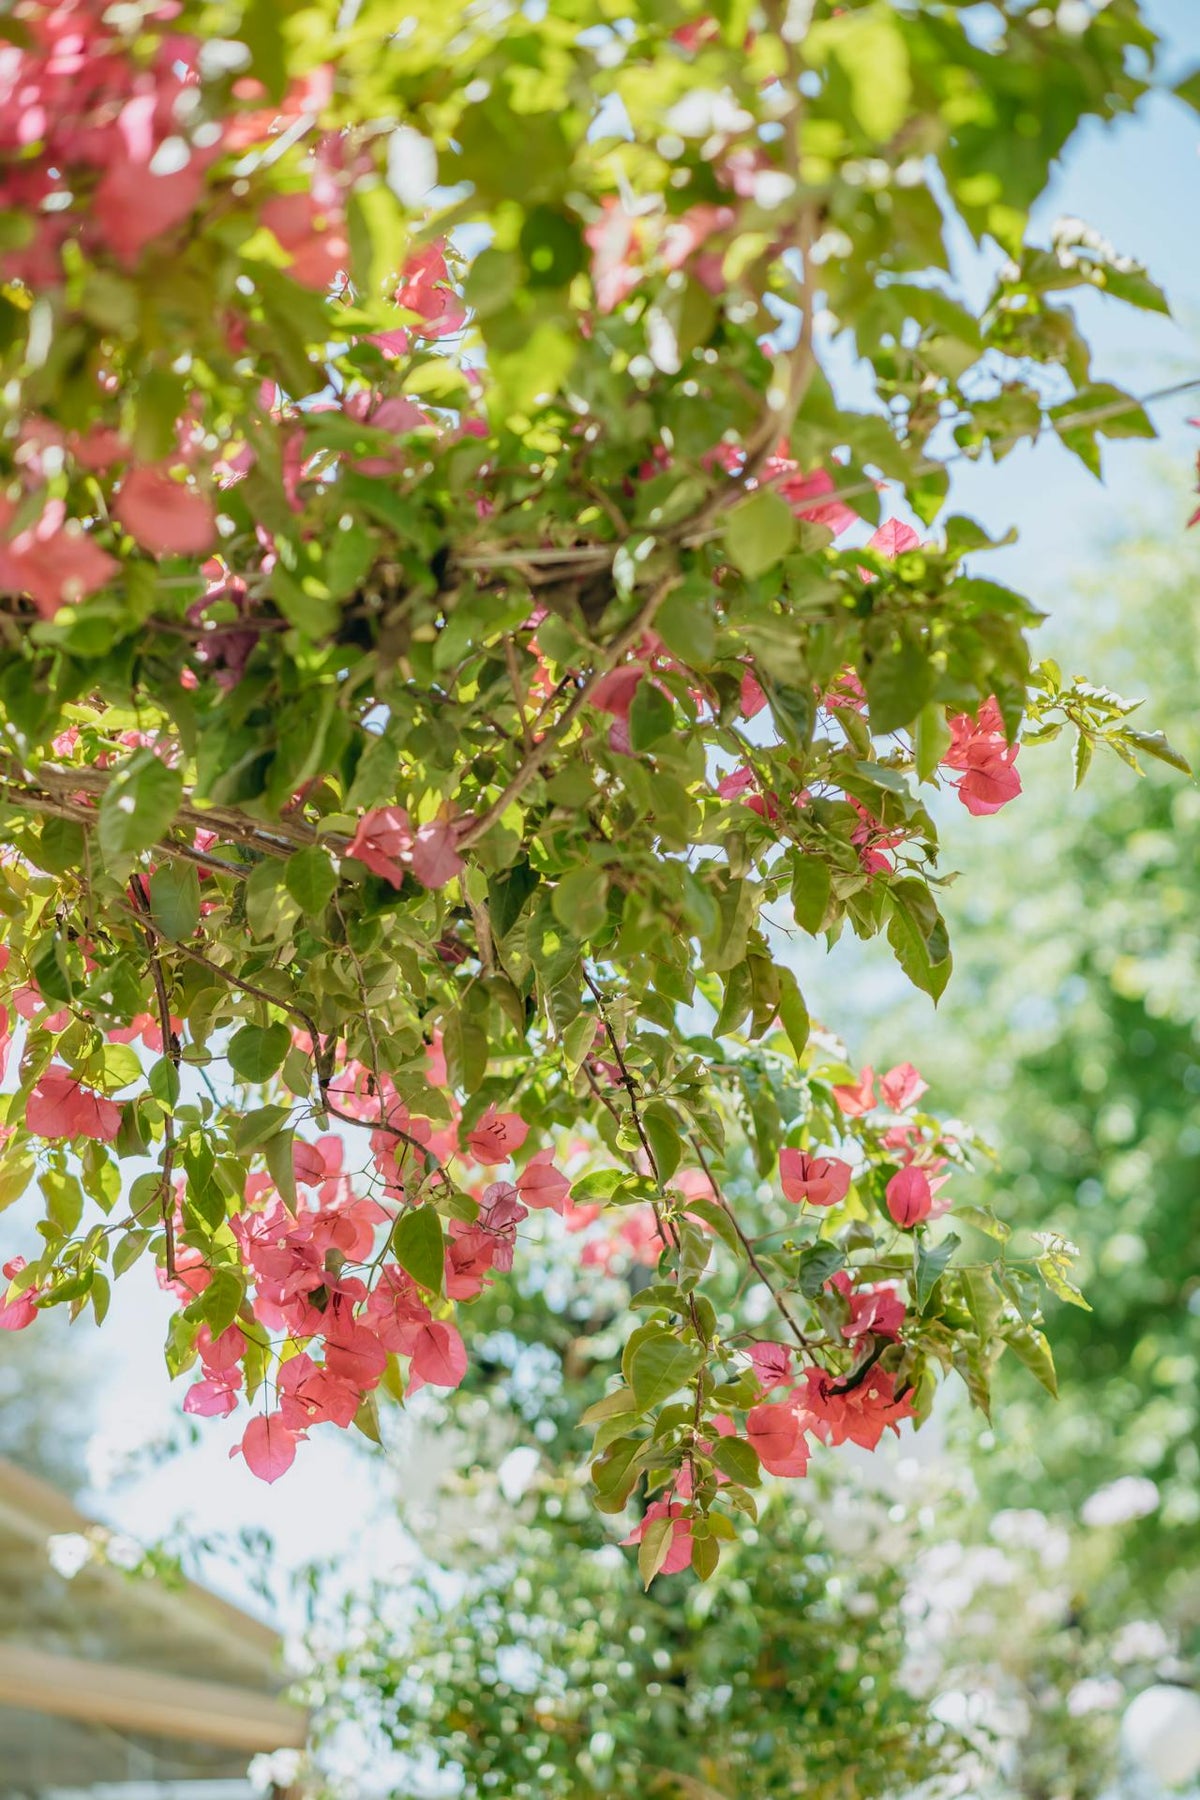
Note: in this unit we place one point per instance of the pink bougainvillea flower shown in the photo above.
(496, 1136)
(435, 860)
(614, 241)
(52, 560)
(212, 1398)
(163, 515)
(803, 495)
(891, 539)
(909, 1196)
(775, 1432)
(310, 226)
(425, 290)
(981, 751)
(21, 1311)
(856, 1098)
(990, 782)
(753, 699)
(438, 1355)
(269, 1447)
(614, 693)
(541, 1185)
(859, 1414)
(819, 1180)
(902, 1087)
(874, 1311)
(680, 1553)
(383, 841)
(61, 1107)
(772, 1364)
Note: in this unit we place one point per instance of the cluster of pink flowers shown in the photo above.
(912, 1192)
(314, 1277)
(981, 750)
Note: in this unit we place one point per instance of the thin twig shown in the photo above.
(540, 753)
(171, 1050)
(781, 1305)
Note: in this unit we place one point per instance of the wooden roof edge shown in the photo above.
(39, 1511)
(143, 1700)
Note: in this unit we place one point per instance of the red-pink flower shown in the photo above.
(541, 1185)
(980, 749)
(775, 1432)
(21, 1311)
(891, 539)
(614, 239)
(909, 1196)
(438, 1356)
(860, 1415)
(61, 1107)
(269, 1447)
(772, 1364)
(902, 1087)
(817, 1180)
(856, 1098)
(213, 1397)
(753, 699)
(163, 515)
(874, 1311)
(497, 1136)
(310, 227)
(803, 495)
(435, 860)
(425, 290)
(383, 839)
(51, 560)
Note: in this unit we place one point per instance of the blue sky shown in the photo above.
(1139, 184)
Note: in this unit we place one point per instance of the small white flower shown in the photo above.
(1096, 1693)
(1129, 1497)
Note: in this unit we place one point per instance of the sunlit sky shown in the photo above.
(1139, 184)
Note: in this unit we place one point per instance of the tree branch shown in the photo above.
(540, 754)
(171, 1050)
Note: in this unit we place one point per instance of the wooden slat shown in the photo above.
(33, 1510)
(125, 1699)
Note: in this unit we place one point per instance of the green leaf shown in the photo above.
(898, 677)
(271, 909)
(918, 937)
(716, 1217)
(311, 879)
(759, 532)
(651, 716)
(64, 1200)
(932, 740)
(175, 899)
(659, 1367)
(1031, 1348)
(580, 902)
(816, 1265)
(418, 1246)
(256, 1051)
(218, 1305)
(277, 1151)
(793, 1012)
(982, 1218)
(655, 1547)
(737, 1459)
(931, 1263)
(811, 885)
(662, 1129)
(138, 805)
(1153, 743)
